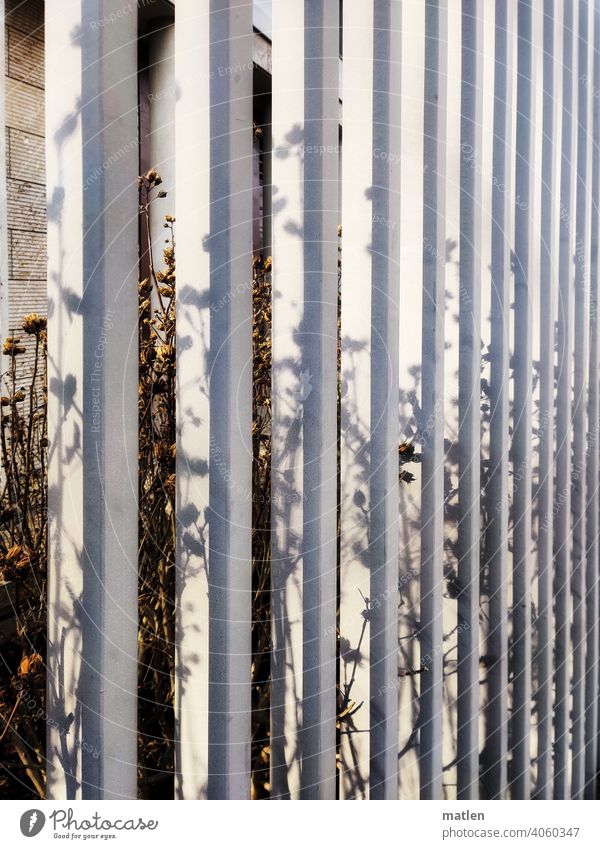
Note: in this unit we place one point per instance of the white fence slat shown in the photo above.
(593, 464)
(581, 352)
(544, 660)
(214, 132)
(230, 464)
(562, 516)
(432, 438)
(319, 331)
(469, 433)
(304, 451)
(522, 441)
(91, 97)
(357, 224)
(494, 761)
(384, 439)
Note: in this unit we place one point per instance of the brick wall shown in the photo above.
(25, 166)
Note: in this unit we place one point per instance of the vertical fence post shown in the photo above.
(319, 415)
(230, 458)
(562, 517)
(581, 354)
(91, 115)
(522, 444)
(469, 430)
(593, 466)
(304, 448)
(411, 251)
(432, 439)
(543, 659)
(384, 440)
(355, 421)
(494, 774)
(214, 203)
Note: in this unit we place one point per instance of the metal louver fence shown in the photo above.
(458, 146)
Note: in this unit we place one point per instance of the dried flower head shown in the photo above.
(11, 347)
(153, 177)
(34, 323)
(31, 664)
(19, 556)
(165, 352)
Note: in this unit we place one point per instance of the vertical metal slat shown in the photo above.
(432, 499)
(543, 659)
(384, 504)
(355, 422)
(522, 441)
(469, 379)
(593, 466)
(214, 127)
(562, 515)
(581, 363)
(305, 180)
(494, 773)
(91, 97)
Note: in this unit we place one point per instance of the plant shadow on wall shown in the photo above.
(409, 619)
(23, 527)
(23, 715)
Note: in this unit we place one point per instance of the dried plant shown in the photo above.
(23, 449)
(23, 526)
(156, 667)
(261, 526)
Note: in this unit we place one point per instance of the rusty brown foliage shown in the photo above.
(156, 476)
(23, 487)
(23, 533)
